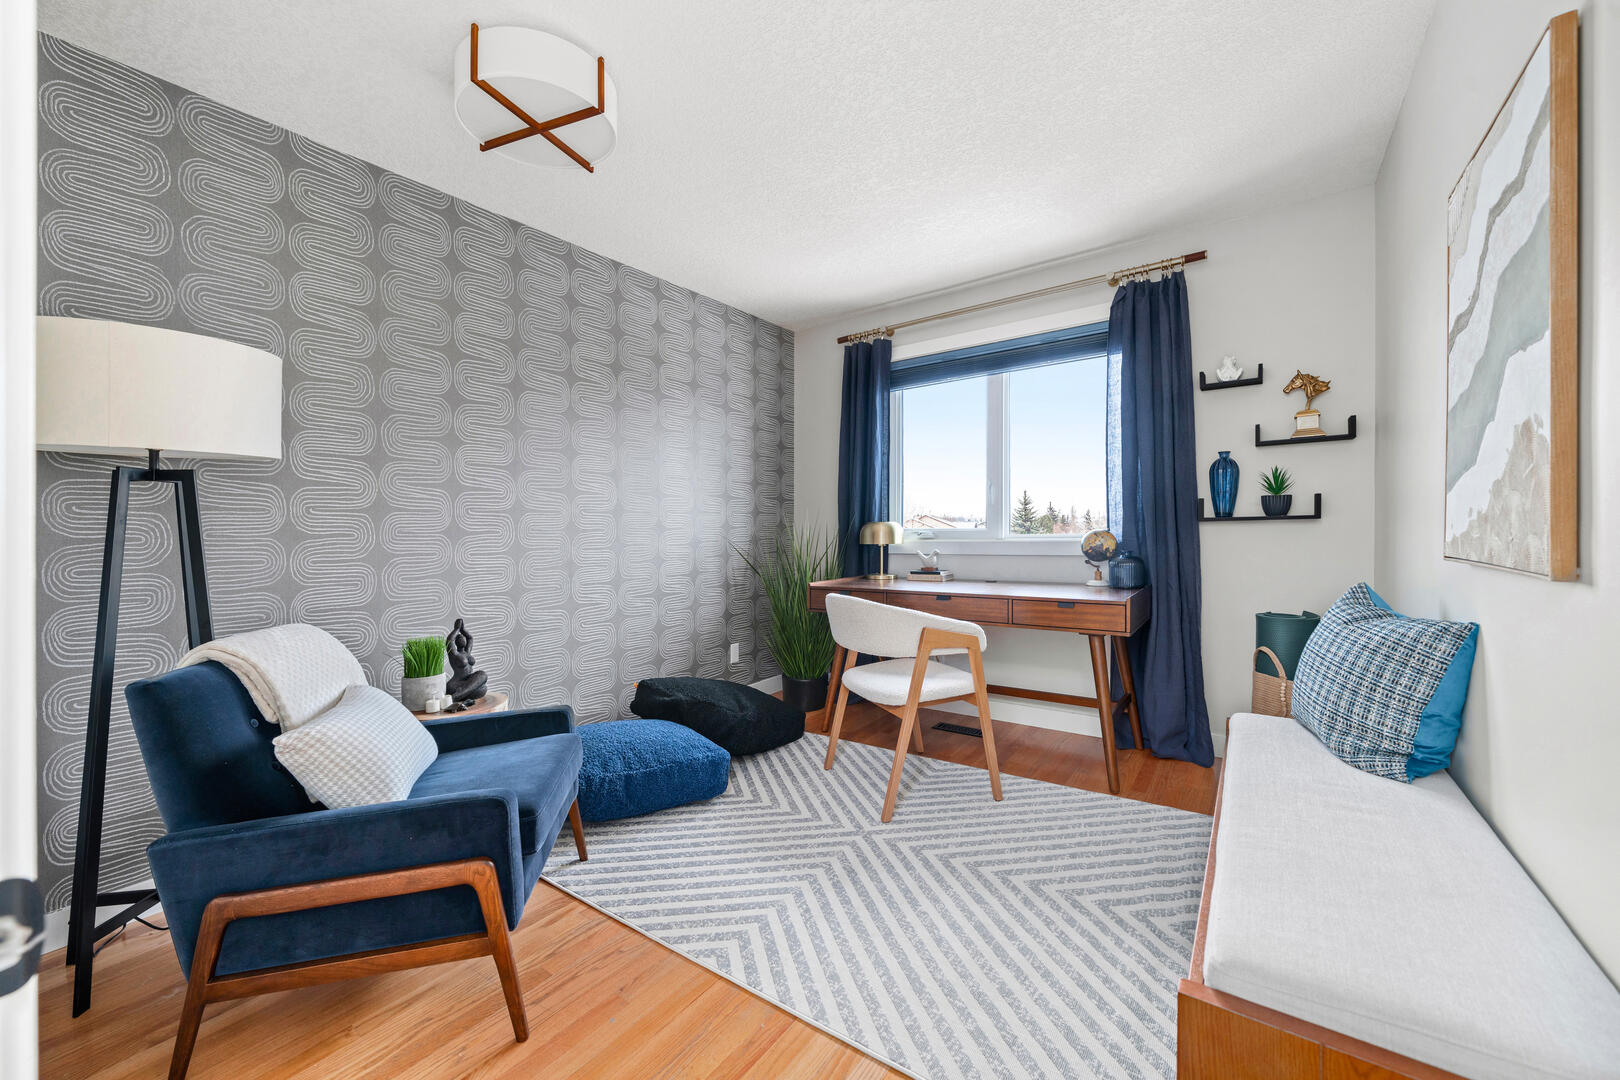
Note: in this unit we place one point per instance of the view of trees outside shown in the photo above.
(1055, 451)
(1028, 519)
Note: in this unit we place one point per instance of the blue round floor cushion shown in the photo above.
(635, 767)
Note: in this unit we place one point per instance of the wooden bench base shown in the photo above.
(1219, 1037)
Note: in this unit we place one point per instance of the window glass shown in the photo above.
(1056, 418)
(943, 455)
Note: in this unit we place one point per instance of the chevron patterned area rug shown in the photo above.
(1042, 936)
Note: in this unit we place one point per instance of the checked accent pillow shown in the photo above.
(1385, 692)
(366, 749)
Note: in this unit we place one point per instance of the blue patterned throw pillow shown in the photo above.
(1384, 692)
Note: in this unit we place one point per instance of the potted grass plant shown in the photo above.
(1276, 501)
(424, 678)
(800, 639)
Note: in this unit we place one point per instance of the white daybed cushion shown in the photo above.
(1392, 913)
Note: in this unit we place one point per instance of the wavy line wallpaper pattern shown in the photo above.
(480, 420)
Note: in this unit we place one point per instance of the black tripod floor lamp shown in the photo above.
(119, 388)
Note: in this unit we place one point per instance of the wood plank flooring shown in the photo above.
(603, 1001)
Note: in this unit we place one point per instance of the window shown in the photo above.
(1003, 441)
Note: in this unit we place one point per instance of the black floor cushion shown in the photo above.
(738, 718)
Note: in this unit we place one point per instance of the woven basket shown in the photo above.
(1272, 694)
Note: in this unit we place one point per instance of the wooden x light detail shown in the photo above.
(543, 128)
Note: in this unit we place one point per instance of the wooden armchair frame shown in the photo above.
(932, 640)
(205, 986)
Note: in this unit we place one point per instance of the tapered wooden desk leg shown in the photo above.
(1122, 649)
(1099, 672)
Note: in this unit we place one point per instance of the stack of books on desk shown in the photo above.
(931, 575)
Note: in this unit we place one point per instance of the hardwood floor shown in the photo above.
(603, 1001)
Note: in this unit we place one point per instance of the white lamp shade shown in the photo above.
(546, 77)
(113, 387)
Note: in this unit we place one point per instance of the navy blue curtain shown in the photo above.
(863, 450)
(1153, 496)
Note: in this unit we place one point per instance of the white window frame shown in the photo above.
(996, 538)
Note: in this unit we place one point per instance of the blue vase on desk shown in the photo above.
(1223, 484)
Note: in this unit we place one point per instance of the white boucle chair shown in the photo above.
(902, 685)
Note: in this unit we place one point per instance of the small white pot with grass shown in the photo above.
(424, 673)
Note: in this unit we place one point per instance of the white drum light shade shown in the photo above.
(545, 76)
(112, 387)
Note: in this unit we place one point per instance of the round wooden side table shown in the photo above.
(491, 702)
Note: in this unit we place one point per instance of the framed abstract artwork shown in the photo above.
(1512, 351)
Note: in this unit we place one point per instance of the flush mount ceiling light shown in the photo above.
(533, 96)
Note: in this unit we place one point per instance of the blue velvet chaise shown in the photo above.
(265, 890)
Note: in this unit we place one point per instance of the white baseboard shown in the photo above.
(56, 922)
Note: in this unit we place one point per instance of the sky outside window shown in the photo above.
(1056, 427)
(943, 441)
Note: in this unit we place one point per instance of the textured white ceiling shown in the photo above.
(801, 160)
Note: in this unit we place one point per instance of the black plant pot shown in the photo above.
(1276, 505)
(806, 694)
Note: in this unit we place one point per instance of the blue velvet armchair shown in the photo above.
(265, 890)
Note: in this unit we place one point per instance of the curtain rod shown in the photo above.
(1099, 279)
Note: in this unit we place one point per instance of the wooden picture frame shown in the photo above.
(1512, 442)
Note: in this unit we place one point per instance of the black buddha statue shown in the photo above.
(467, 684)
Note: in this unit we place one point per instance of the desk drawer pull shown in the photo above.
(1065, 603)
(938, 597)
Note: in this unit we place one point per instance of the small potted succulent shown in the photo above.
(424, 677)
(1276, 501)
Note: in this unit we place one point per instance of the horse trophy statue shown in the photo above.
(1307, 422)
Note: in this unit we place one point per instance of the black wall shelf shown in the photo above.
(1315, 515)
(1346, 437)
(1259, 378)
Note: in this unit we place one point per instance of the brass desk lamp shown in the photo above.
(881, 534)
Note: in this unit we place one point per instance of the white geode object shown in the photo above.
(1228, 370)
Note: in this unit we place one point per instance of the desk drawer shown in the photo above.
(818, 597)
(1070, 615)
(987, 609)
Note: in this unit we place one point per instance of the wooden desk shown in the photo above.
(1103, 616)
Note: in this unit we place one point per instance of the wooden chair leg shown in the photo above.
(908, 722)
(579, 830)
(487, 884)
(981, 699)
(203, 959)
(837, 725)
(916, 736)
(840, 659)
(1105, 711)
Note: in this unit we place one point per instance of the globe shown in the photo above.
(1098, 546)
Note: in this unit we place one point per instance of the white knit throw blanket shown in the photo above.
(293, 673)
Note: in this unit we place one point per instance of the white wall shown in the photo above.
(19, 1011)
(1292, 288)
(1541, 739)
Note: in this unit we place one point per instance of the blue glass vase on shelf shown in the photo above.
(1223, 484)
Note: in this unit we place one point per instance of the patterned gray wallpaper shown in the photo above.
(479, 420)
